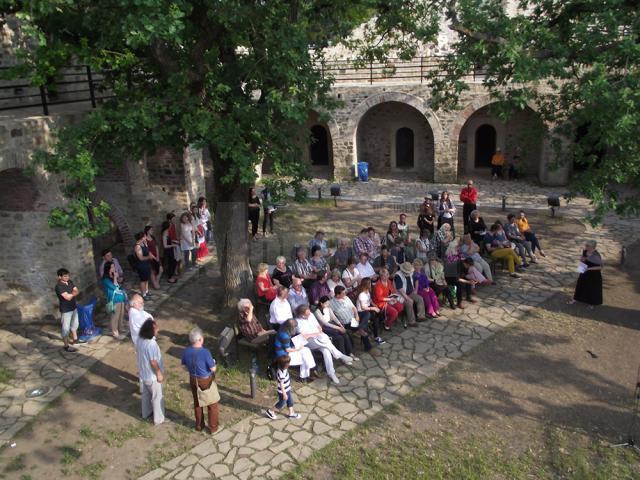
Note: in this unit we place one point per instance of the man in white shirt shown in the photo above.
(280, 310)
(365, 269)
(316, 339)
(137, 316)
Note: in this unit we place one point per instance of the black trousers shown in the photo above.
(453, 281)
(170, 260)
(254, 218)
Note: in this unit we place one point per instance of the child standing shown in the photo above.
(283, 387)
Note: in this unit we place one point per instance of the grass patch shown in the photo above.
(6, 375)
(176, 445)
(88, 434)
(442, 456)
(117, 438)
(69, 455)
(16, 463)
(92, 471)
(236, 376)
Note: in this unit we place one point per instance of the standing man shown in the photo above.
(137, 316)
(469, 197)
(497, 162)
(67, 292)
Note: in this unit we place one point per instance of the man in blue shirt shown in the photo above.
(201, 367)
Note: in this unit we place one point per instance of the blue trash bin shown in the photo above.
(363, 171)
(87, 330)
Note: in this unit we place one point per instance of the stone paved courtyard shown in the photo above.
(259, 448)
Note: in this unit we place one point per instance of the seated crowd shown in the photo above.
(325, 301)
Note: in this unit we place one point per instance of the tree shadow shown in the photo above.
(533, 385)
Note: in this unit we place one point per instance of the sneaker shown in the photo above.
(514, 275)
(353, 357)
(271, 414)
(347, 360)
(122, 336)
(295, 416)
(386, 327)
(380, 341)
(334, 379)
(70, 349)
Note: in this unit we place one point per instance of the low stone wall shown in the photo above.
(31, 254)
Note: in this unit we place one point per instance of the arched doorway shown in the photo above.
(319, 146)
(404, 148)
(520, 137)
(394, 137)
(485, 145)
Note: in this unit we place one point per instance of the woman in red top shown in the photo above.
(384, 296)
(264, 286)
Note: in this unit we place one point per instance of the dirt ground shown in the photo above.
(94, 430)
(542, 399)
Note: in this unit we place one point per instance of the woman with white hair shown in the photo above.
(249, 325)
(201, 366)
(589, 286)
(282, 274)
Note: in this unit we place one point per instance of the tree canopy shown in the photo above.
(579, 61)
(237, 77)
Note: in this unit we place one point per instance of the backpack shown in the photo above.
(132, 258)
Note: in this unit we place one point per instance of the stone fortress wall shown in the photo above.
(386, 123)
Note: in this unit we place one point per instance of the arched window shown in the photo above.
(404, 148)
(319, 148)
(485, 145)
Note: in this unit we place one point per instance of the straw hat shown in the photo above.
(406, 268)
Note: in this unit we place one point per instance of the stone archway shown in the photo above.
(320, 133)
(401, 110)
(522, 135)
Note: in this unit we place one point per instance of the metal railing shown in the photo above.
(76, 84)
(394, 69)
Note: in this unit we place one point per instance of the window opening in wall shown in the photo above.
(404, 148)
(485, 145)
(319, 148)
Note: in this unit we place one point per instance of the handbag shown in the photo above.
(111, 306)
(210, 395)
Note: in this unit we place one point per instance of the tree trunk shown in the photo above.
(231, 235)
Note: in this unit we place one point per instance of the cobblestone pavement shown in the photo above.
(518, 194)
(257, 447)
(34, 353)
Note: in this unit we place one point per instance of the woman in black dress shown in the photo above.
(143, 263)
(589, 286)
(254, 211)
(477, 227)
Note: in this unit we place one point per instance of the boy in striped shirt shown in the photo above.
(283, 387)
